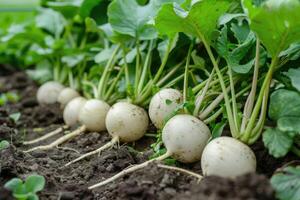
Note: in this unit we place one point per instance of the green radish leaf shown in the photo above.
(130, 18)
(33, 197)
(72, 60)
(218, 130)
(91, 25)
(293, 52)
(15, 116)
(235, 53)
(289, 124)
(104, 54)
(287, 183)
(75, 7)
(50, 21)
(241, 31)
(201, 20)
(276, 22)
(163, 46)
(13, 31)
(13, 184)
(278, 142)
(230, 16)
(294, 75)
(87, 7)
(35, 183)
(68, 8)
(42, 72)
(4, 144)
(284, 103)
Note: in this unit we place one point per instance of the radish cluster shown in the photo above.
(185, 137)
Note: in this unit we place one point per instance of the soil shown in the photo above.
(71, 182)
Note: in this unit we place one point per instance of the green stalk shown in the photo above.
(198, 87)
(233, 129)
(113, 85)
(126, 68)
(83, 41)
(159, 72)
(71, 79)
(251, 98)
(199, 98)
(163, 63)
(169, 74)
(186, 74)
(266, 84)
(108, 67)
(220, 110)
(174, 81)
(94, 88)
(145, 67)
(233, 97)
(137, 68)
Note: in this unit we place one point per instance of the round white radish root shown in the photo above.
(72, 109)
(227, 157)
(92, 115)
(185, 137)
(66, 95)
(48, 92)
(126, 121)
(162, 105)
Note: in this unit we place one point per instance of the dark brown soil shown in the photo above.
(72, 182)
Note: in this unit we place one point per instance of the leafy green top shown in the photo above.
(276, 22)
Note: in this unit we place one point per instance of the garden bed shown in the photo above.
(72, 182)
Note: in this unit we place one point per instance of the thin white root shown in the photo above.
(59, 140)
(113, 141)
(129, 170)
(69, 149)
(48, 135)
(198, 176)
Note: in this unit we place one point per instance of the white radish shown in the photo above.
(48, 92)
(162, 105)
(66, 95)
(184, 136)
(227, 157)
(70, 115)
(124, 122)
(92, 115)
(71, 111)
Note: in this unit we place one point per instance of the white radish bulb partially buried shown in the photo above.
(66, 95)
(92, 115)
(227, 157)
(127, 121)
(72, 109)
(48, 92)
(185, 137)
(162, 105)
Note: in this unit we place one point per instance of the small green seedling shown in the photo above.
(3, 145)
(26, 190)
(9, 97)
